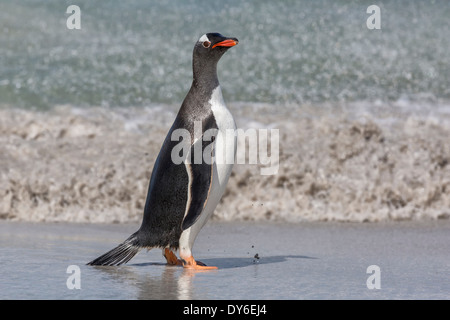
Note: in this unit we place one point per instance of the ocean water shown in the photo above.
(138, 53)
(363, 115)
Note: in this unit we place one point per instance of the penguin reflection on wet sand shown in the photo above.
(182, 195)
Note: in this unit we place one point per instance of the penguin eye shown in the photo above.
(206, 44)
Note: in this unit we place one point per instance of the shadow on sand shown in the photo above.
(228, 263)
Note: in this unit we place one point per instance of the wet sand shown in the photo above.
(312, 260)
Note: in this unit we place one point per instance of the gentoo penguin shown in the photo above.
(182, 195)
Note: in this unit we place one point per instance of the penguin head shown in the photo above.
(209, 49)
(214, 44)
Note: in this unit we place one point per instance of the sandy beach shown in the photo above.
(310, 260)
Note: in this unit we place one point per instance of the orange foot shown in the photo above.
(172, 258)
(190, 263)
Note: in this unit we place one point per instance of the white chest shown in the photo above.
(224, 152)
(225, 145)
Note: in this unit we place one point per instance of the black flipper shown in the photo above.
(200, 180)
(119, 255)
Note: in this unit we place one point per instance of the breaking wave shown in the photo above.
(352, 162)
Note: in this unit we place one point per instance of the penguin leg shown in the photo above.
(171, 258)
(190, 263)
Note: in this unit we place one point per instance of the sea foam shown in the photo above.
(344, 164)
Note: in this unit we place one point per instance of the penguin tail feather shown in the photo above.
(123, 253)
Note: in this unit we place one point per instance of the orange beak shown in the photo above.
(226, 43)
